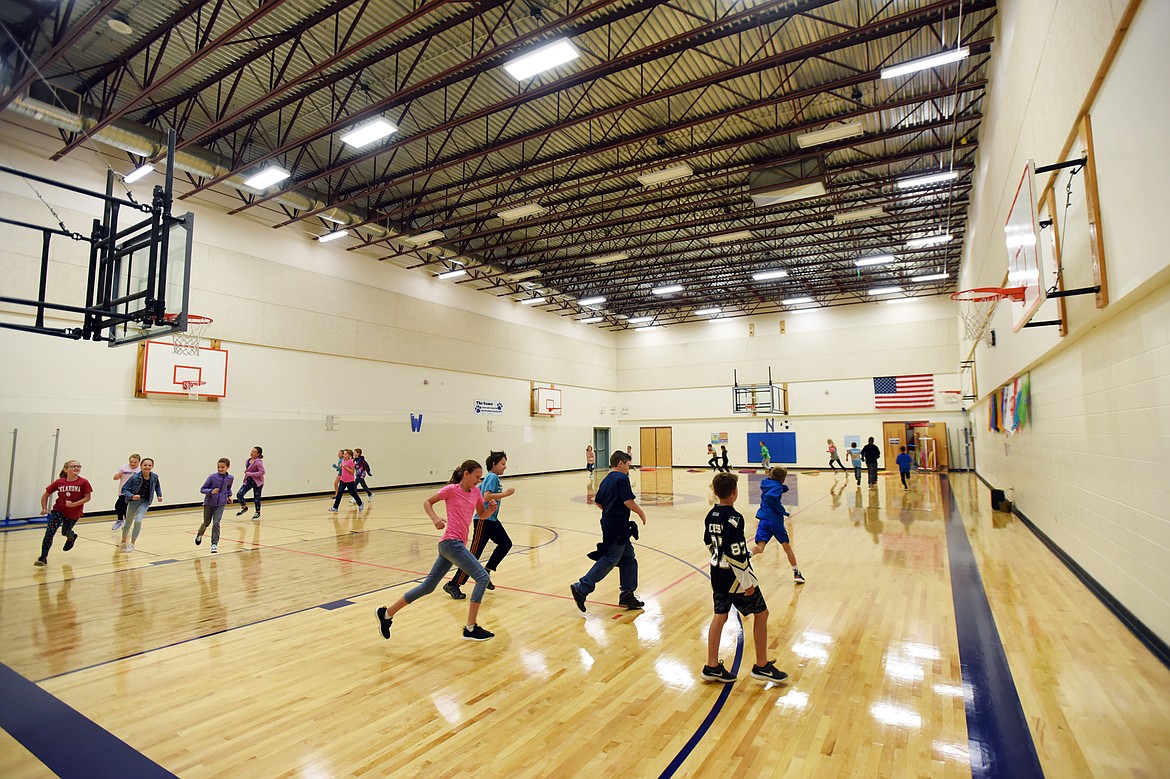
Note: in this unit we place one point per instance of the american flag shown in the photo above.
(904, 391)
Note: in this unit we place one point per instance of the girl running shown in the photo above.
(123, 474)
(348, 481)
(490, 530)
(73, 492)
(139, 490)
(254, 481)
(833, 456)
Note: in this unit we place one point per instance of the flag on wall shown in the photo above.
(904, 391)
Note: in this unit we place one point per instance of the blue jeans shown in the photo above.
(135, 511)
(857, 472)
(452, 552)
(256, 489)
(621, 555)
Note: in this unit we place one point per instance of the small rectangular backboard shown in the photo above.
(1024, 249)
(546, 402)
(163, 371)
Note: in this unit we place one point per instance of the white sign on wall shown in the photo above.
(489, 407)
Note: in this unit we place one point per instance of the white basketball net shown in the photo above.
(188, 343)
(977, 311)
(192, 388)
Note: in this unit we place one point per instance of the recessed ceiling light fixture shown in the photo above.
(519, 212)
(453, 274)
(834, 132)
(596, 300)
(877, 259)
(607, 258)
(366, 133)
(668, 289)
(931, 277)
(424, 238)
(795, 301)
(927, 180)
(742, 235)
(273, 174)
(138, 173)
(765, 275)
(666, 174)
(333, 236)
(545, 58)
(884, 290)
(859, 214)
(928, 240)
(532, 301)
(925, 63)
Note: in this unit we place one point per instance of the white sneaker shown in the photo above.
(214, 548)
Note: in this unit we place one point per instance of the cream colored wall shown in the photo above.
(1089, 468)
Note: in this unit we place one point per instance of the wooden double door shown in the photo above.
(656, 447)
(926, 442)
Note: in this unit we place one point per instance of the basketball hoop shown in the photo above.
(192, 388)
(188, 342)
(977, 307)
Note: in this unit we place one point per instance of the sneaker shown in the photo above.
(118, 524)
(332, 510)
(41, 561)
(798, 577)
(243, 510)
(490, 586)
(361, 507)
(477, 634)
(127, 547)
(717, 673)
(214, 548)
(69, 544)
(452, 589)
(578, 597)
(768, 672)
(198, 539)
(631, 603)
(256, 517)
(384, 622)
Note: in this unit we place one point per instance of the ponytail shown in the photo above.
(466, 467)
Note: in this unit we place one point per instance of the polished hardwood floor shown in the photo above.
(264, 660)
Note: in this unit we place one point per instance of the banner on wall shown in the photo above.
(1010, 405)
(719, 438)
(489, 407)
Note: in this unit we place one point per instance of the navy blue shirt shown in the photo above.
(612, 495)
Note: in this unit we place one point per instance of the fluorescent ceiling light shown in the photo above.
(666, 174)
(453, 274)
(928, 240)
(333, 236)
(640, 319)
(834, 132)
(707, 311)
(933, 61)
(778, 195)
(332, 219)
(931, 277)
(606, 258)
(273, 174)
(532, 301)
(422, 238)
(590, 320)
(795, 301)
(764, 275)
(521, 275)
(365, 134)
(519, 212)
(928, 180)
(545, 58)
(668, 289)
(593, 301)
(862, 213)
(742, 235)
(877, 259)
(138, 173)
(884, 290)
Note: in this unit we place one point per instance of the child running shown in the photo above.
(733, 583)
(904, 462)
(771, 515)
(491, 529)
(463, 498)
(217, 493)
(139, 490)
(348, 481)
(73, 492)
(362, 466)
(254, 481)
(122, 475)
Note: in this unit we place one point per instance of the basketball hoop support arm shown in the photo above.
(1059, 165)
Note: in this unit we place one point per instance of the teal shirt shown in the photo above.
(491, 483)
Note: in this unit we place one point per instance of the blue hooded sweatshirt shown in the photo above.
(770, 507)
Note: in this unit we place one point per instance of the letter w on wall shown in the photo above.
(416, 423)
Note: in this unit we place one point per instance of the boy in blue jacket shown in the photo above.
(771, 516)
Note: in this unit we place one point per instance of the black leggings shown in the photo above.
(714, 462)
(56, 521)
(361, 482)
(351, 488)
(836, 459)
(726, 465)
(486, 530)
(120, 509)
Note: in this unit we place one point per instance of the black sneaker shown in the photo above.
(717, 673)
(198, 539)
(490, 586)
(256, 517)
(384, 622)
(452, 589)
(798, 577)
(768, 672)
(578, 597)
(41, 561)
(242, 511)
(69, 544)
(477, 634)
(631, 603)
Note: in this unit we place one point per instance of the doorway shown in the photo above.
(925, 441)
(657, 447)
(601, 448)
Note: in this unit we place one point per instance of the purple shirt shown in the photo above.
(224, 483)
(255, 471)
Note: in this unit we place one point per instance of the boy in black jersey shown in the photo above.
(733, 584)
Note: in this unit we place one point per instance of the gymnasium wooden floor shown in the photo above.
(264, 660)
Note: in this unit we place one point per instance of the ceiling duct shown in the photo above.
(794, 180)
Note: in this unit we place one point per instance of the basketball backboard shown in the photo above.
(140, 271)
(1024, 249)
(163, 371)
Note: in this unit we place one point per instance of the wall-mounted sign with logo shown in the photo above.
(489, 407)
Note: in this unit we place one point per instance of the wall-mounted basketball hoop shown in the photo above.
(977, 308)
